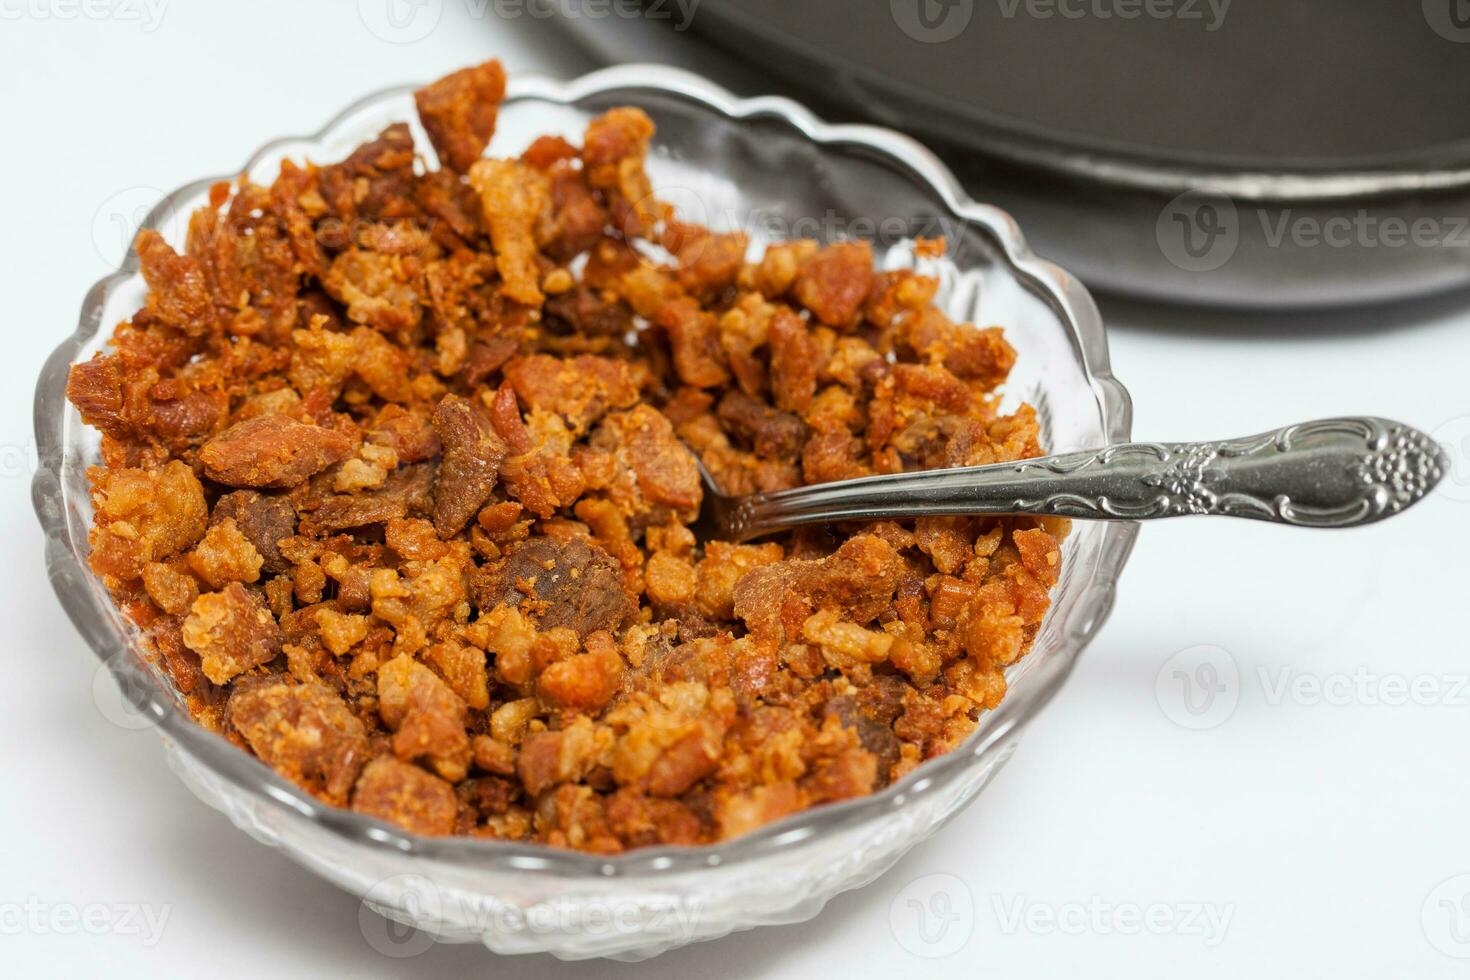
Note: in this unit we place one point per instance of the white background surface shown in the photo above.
(1317, 831)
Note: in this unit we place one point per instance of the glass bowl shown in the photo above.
(769, 166)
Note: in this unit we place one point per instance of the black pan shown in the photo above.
(1321, 147)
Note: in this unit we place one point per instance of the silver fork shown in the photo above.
(1340, 472)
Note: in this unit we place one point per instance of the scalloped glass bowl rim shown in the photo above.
(1075, 307)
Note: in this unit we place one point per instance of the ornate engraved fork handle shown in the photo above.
(1329, 473)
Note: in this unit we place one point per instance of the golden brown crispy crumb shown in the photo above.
(398, 468)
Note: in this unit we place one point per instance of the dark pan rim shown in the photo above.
(1429, 170)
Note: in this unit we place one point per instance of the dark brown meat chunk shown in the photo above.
(572, 583)
(770, 432)
(585, 311)
(372, 182)
(406, 492)
(487, 357)
(875, 733)
(265, 519)
(467, 473)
